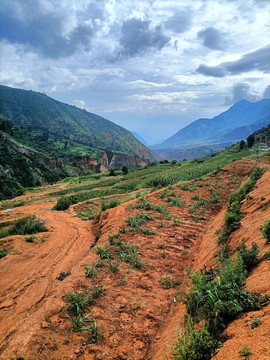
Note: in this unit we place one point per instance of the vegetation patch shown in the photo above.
(265, 229)
(25, 226)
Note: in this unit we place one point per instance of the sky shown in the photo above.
(151, 66)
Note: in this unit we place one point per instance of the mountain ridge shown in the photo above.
(217, 129)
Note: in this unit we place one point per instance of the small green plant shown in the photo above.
(90, 271)
(161, 246)
(78, 323)
(77, 302)
(31, 239)
(168, 282)
(147, 231)
(3, 252)
(62, 275)
(266, 255)
(163, 254)
(94, 333)
(245, 352)
(114, 267)
(265, 229)
(255, 322)
(174, 201)
(55, 345)
(138, 302)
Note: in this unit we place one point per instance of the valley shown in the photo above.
(131, 247)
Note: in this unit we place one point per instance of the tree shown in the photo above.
(242, 144)
(250, 140)
(111, 173)
(125, 170)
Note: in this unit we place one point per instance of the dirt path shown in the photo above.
(28, 286)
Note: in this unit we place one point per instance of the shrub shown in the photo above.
(219, 300)
(195, 345)
(174, 201)
(265, 229)
(250, 257)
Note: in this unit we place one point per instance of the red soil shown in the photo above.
(138, 316)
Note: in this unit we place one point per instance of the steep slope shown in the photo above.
(237, 122)
(40, 112)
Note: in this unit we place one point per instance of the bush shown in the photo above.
(219, 300)
(3, 252)
(265, 229)
(250, 257)
(195, 345)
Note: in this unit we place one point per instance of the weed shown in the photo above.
(78, 323)
(77, 302)
(163, 194)
(266, 255)
(255, 322)
(168, 282)
(87, 215)
(55, 345)
(138, 302)
(122, 280)
(245, 352)
(113, 267)
(265, 229)
(104, 252)
(90, 271)
(163, 254)
(62, 275)
(94, 333)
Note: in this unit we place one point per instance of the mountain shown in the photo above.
(43, 140)
(38, 111)
(140, 138)
(236, 123)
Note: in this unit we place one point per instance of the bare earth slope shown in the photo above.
(138, 315)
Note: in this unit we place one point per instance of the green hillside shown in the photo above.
(38, 111)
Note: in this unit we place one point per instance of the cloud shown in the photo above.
(180, 22)
(44, 33)
(256, 60)
(213, 38)
(242, 91)
(266, 93)
(79, 104)
(138, 38)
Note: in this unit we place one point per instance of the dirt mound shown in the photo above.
(141, 308)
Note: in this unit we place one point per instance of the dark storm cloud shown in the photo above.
(241, 91)
(180, 22)
(256, 60)
(138, 38)
(212, 38)
(44, 35)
